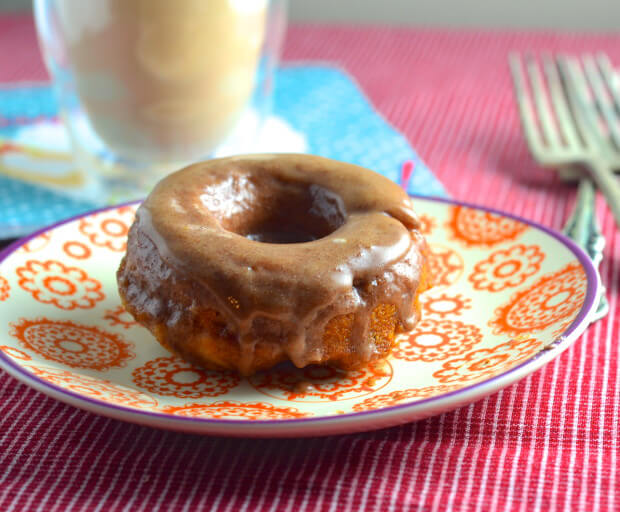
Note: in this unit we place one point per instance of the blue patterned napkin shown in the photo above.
(322, 103)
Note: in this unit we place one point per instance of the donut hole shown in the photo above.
(272, 210)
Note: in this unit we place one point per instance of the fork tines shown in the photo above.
(572, 117)
(574, 109)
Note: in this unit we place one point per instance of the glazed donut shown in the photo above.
(243, 262)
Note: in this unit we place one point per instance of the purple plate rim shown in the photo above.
(593, 284)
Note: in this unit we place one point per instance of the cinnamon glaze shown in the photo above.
(277, 245)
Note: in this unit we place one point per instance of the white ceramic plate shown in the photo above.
(510, 296)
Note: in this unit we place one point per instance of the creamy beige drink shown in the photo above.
(163, 79)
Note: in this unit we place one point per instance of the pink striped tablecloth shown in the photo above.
(547, 443)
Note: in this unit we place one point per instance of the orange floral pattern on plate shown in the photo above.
(507, 268)
(119, 316)
(51, 282)
(93, 387)
(445, 305)
(555, 297)
(76, 250)
(446, 265)
(4, 289)
(240, 410)
(402, 395)
(480, 228)
(321, 383)
(172, 376)
(37, 243)
(177, 388)
(15, 353)
(427, 224)
(108, 229)
(71, 344)
(487, 362)
(435, 340)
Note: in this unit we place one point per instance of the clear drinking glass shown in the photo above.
(148, 86)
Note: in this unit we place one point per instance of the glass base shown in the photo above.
(111, 178)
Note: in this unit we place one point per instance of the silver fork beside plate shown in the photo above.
(571, 117)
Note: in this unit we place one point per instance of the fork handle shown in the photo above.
(609, 186)
(582, 227)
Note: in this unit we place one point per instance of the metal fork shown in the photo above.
(558, 139)
(604, 81)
